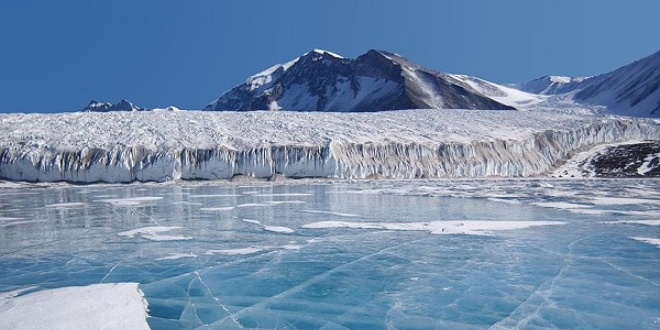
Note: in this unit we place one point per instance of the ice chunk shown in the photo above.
(134, 201)
(562, 205)
(216, 209)
(66, 205)
(621, 201)
(338, 214)
(174, 256)
(654, 241)
(638, 222)
(275, 229)
(278, 229)
(99, 306)
(254, 205)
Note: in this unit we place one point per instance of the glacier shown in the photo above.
(122, 147)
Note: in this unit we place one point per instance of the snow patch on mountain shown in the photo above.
(553, 85)
(632, 90)
(322, 51)
(505, 95)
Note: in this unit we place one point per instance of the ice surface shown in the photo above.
(345, 255)
(247, 250)
(621, 201)
(98, 306)
(562, 205)
(129, 201)
(191, 145)
(473, 227)
(216, 209)
(153, 233)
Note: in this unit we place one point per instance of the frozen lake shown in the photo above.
(443, 254)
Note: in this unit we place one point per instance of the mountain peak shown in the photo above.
(123, 105)
(375, 81)
(323, 52)
(632, 90)
(380, 53)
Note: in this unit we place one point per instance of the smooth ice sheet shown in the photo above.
(517, 254)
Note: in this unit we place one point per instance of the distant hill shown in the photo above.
(632, 90)
(123, 105)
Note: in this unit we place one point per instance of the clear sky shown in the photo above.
(58, 55)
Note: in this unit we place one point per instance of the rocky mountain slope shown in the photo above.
(378, 80)
(632, 90)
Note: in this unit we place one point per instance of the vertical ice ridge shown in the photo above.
(336, 158)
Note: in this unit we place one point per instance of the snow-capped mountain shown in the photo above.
(632, 90)
(123, 105)
(375, 81)
(503, 94)
(553, 85)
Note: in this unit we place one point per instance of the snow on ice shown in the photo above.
(99, 306)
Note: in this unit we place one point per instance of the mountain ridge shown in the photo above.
(552, 85)
(375, 81)
(378, 80)
(632, 90)
(123, 105)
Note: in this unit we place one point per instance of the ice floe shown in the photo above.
(239, 251)
(653, 241)
(154, 234)
(133, 201)
(470, 227)
(175, 256)
(99, 306)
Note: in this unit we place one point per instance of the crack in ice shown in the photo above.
(224, 308)
(319, 277)
(629, 273)
(542, 292)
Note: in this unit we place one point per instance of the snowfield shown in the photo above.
(171, 145)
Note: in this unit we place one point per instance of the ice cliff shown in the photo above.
(191, 145)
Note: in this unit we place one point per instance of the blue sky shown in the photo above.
(58, 55)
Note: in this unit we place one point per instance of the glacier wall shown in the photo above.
(537, 154)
